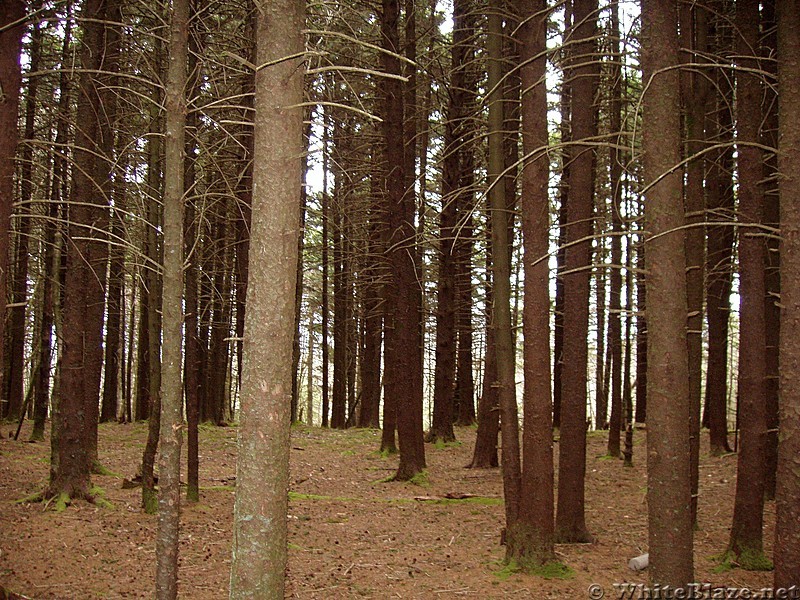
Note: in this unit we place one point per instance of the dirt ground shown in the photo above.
(351, 535)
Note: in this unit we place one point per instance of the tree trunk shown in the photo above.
(19, 287)
(76, 415)
(746, 541)
(530, 539)
(447, 305)
(169, 498)
(565, 102)
(402, 357)
(12, 27)
(720, 239)
(501, 272)
(262, 476)
(787, 529)
(668, 440)
(570, 517)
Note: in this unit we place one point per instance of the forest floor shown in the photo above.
(351, 534)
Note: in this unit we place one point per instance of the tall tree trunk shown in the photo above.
(530, 539)
(565, 102)
(262, 475)
(325, 295)
(50, 287)
(447, 306)
(501, 271)
(11, 29)
(570, 517)
(615, 291)
(19, 287)
(403, 362)
(720, 239)
(169, 498)
(787, 528)
(668, 456)
(76, 415)
(772, 277)
(746, 541)
(693, 88)
(116, 249)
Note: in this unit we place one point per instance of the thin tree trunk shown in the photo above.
(13, 394)
(171, 435)
(501, 273)
(720, 239)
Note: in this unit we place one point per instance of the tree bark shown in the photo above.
(570, 516)
(171, 435)
(402, 357)
(746, 540)
(75, 416)
(11, 29)
(668, 456)
(262, 476)
(787, 529)
(530, 539)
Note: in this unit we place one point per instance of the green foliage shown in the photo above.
(549, 570)
(420, 479)
(552, 570)
(99, 469)
(149, 501)
(98, 496)
(749, 560)
(440, 444)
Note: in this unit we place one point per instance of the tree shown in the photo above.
(447, 307)
(583, 69)
(668, 461)
(75, 415)
(403, 345)
(262, 474)
(171, 436)
(787, 529)
(746, 541)
(530, 539)
(12, 27)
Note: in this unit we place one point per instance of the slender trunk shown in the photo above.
(169, 497)
(501, 273)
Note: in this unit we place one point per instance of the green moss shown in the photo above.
(552, 570)
(149, 501)
(749, 560)
(61, 502)
(420, 479)
(33, 498)
(218, 488)
(506, 570)
(607, 457)
(99, 469)
(98, 496)
(440, 444)
(192, 494)
(754, 560)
